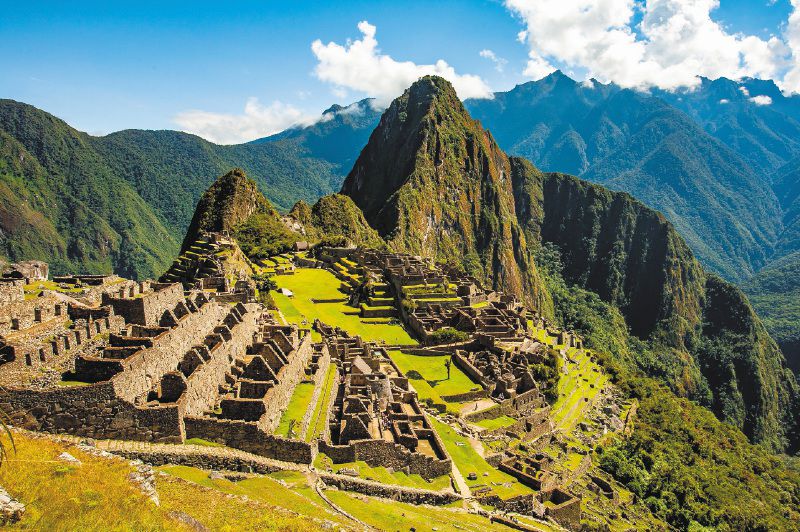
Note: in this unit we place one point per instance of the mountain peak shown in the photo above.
(229, 201)
(433, 182)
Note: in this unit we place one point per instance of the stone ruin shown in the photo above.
(154, 362)
(375, 417)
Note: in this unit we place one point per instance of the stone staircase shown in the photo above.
(197, 262)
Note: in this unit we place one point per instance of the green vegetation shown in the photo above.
(314, 283)
(263, 502)
(336, 216)
(469, 461)
(295, 410)
(775, 294)
(447, 335)
(201, 442)
(687, 466)
(432, 371)
(62, 202)
(681, 460)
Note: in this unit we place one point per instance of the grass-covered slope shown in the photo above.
(433, 182)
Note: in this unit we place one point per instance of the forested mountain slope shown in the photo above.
(637, 143)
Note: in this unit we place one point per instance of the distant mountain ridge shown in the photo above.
(640, 144)
(118, 202)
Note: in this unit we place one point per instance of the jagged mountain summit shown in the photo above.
(433, 182)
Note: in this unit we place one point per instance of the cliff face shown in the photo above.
(711, 344)
(227, 203)
(433, 182)
(627, 253)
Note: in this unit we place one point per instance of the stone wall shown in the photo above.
(277, 398)
(378, 453)
(200, 460)
(144, 369)
(248, 437)
(149, 307)
(93, 411)
(11, 290)
(388, 491)
(203, 383)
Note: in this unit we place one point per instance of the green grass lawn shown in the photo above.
(468, 460)
(496, 423)
(202, 442)
(318, 419)
(313, 283)
(382, 475)
(296, 409)
(391, 515)
(433, 370)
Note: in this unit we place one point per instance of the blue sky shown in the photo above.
(107, 66)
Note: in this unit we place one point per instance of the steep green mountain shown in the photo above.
(118, 202)
(432, 181)
(63, 203)
(775, 293)
(637, 143)
(710, 344)
(686, 465)
(229, 202)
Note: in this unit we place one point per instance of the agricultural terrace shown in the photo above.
(469, 460)
(309, 284)
(577, 389)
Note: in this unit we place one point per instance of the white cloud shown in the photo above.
(761, 100)
(675, 42)
(256, 121)
(499, 62)
(724, 101)
(744, 91)
(360, 66)
(791, 81)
